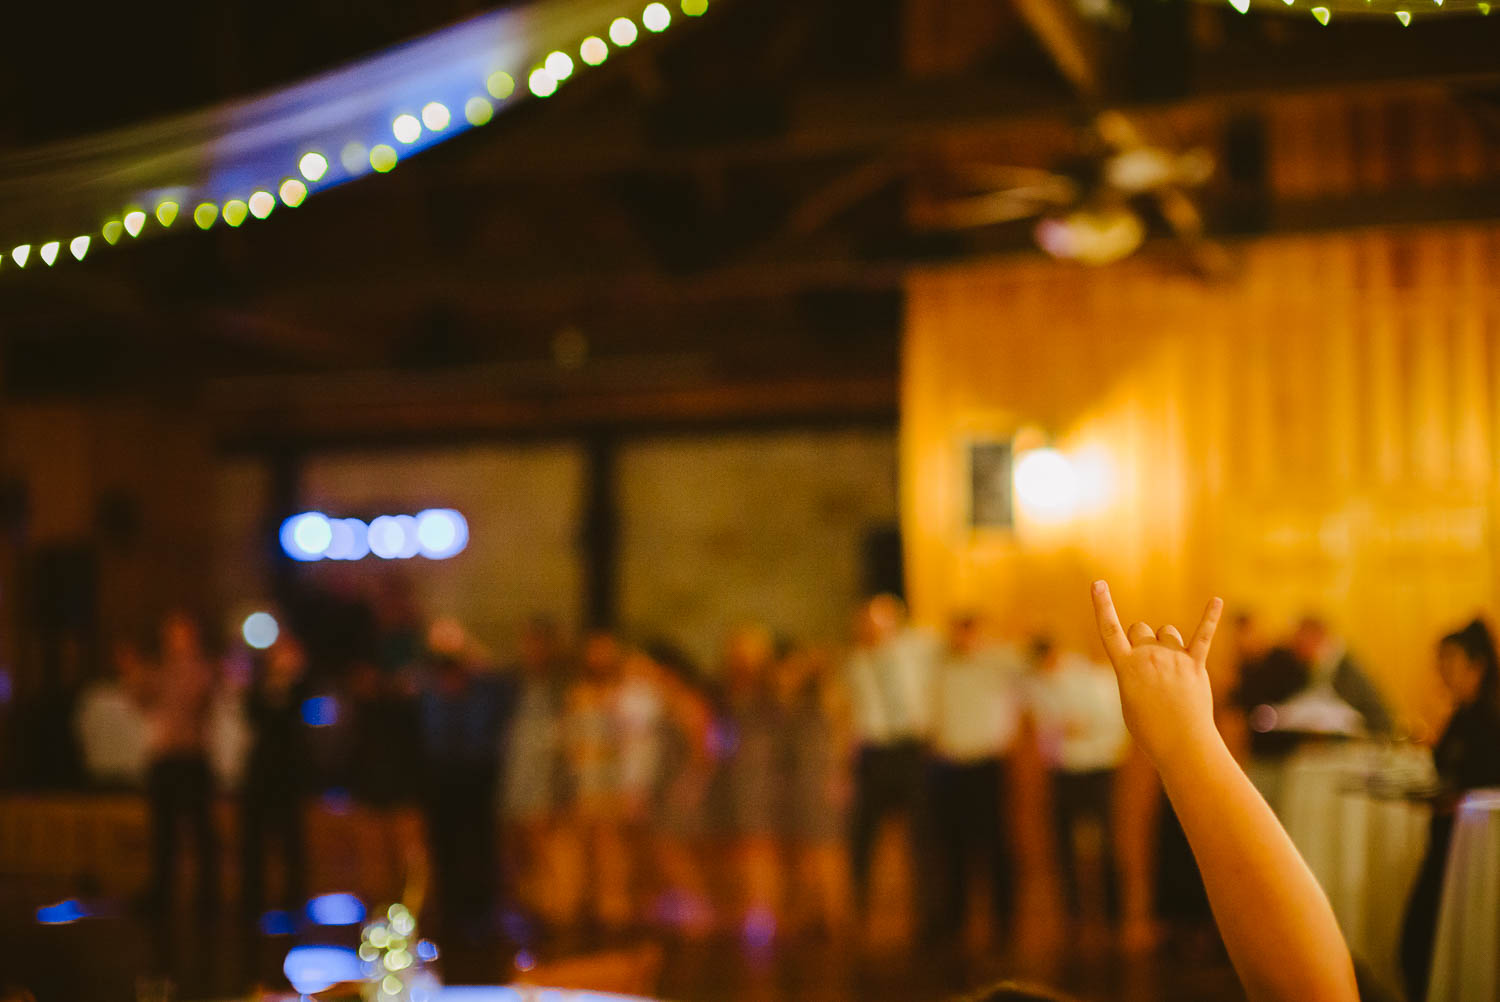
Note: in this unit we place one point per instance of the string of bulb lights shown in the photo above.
(314, 166)
(1325, 11)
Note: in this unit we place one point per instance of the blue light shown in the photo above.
(427, 950)
(277, 923)
(61, 913)
(336, 909)
(320, 711)
(315, 968)
(306, 536)
(387, 537)
(349, 541)
(441, 533)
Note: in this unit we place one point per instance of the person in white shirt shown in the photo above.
(976, 719)
(111, 724)
(1075, 707)
(889, 675)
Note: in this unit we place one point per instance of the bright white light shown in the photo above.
(49, 251)
(435, 116)
(622, 31)
(306, 536)
(1045, 482)
(594, 50)
(313, 166)
(135, 221)
(1243, 6)
(541, 83)
(560, 65)
(260, 630)
(656, 17)
(20, 254)
(78, 247)
(261, 204)
(441, 533)
(406, 128)
(387, 537)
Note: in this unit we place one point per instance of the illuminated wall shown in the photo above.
(1317, 432)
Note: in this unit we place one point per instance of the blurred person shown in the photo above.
(598, 878)
(533, 788)
(384, 774)
(889, 679)
(179, 695)
(687, 766)
(977, 718)
(1075, 707)
(276, 778)
(1467, 757)
(463, 711)
(755, 777)
(1330, 664)
(111, 723)
(818, 791)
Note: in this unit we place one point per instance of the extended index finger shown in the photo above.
(1116, 644)
(1204, 635)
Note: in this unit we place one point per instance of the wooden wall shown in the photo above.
(1317, 433)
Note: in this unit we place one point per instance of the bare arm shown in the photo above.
(1275, 920)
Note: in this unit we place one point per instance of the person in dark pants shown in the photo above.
(889, 675)
(1467, 757)
(976, 721)
(462, 717)
(179, 783)
(276, 774)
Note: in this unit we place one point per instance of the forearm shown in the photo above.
(1275, 920)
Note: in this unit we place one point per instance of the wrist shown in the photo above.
(1197, 752)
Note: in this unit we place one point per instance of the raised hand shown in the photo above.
(1164, 686)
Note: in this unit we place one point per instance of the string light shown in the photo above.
(166, 213)
(49, 251)
(235, 212)
(383, 158)
(20, 255)
(205, 215)
(501, 85)
(478, 111)
(1323, 14)
(541, 83)
(313, 166)
(112, 231)
(261, 204)
(622, 32)
(292, 192)
(656, 17)
(559, 65)
(435, 116)
(406, 128)
(694, 8)
(135, 221)
(594, 50)
(1404, 16)
(78, 247)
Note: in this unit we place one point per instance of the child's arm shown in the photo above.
(1275, 920)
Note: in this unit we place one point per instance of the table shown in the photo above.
(1364, 848)
(1466, 953)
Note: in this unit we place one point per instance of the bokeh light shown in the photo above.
(501, 85)
(112, 231)
(656, 17)
(622, 31)
(313, 969)
(306, 536)
(135, 221)
(313, 165)
(406, 128)
(61, 913)
(435, 116)
(1045, 482)
(205, 215)
(261, 203)
(559, 65)
(427, 950)
(478, 111)
(166, 213)
(49, 251)
(260, 630)
(441, 533)
(235, 212)
(292, 192)
(383, 158)
(349, 542)
(78, 247)
(354, 158)
(394, 537)
(694, 8)
(336, 909)
(594, 50)
(21, 254)
(541, 83)
(322, 711)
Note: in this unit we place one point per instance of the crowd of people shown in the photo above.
(598, 782)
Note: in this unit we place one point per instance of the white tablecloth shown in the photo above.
(1364, 850)
(1466, 955)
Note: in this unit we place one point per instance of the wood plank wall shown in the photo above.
(1317, 433)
